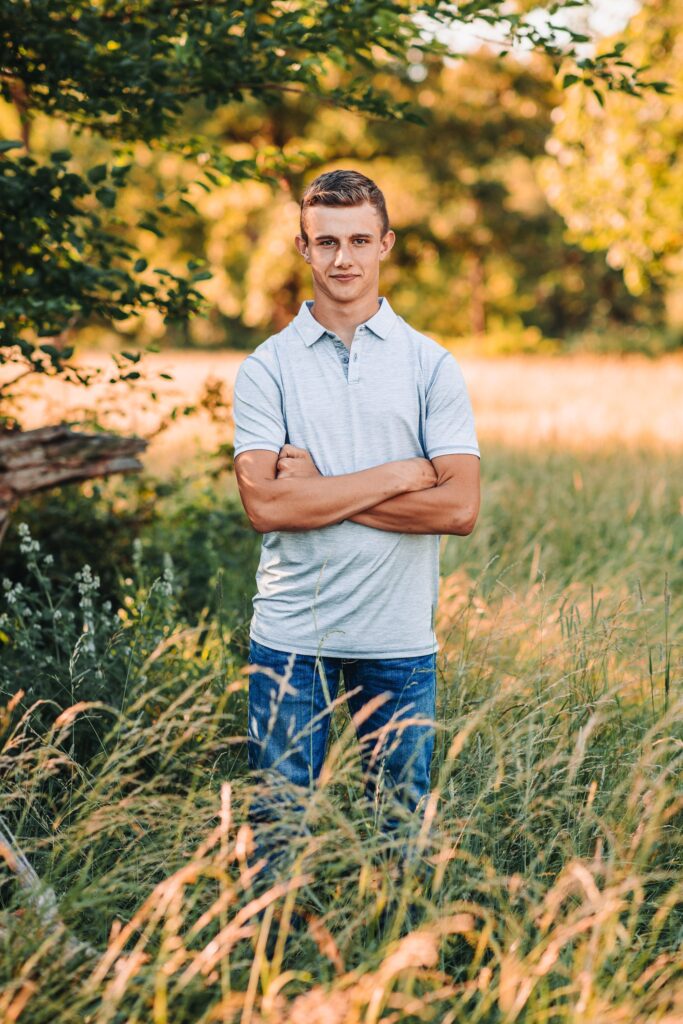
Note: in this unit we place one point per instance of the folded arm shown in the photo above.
(451, 507)
(282, 491)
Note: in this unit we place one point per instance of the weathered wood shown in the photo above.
(34, 460)
(41, 897)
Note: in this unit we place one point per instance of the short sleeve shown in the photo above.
(449, 421)
(257, 408)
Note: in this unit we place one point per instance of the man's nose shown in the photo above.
(343, 257)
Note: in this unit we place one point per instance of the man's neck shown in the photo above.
(343, 320)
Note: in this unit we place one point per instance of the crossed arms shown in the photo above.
(286, 491)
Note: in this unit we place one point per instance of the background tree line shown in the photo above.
(162, 147)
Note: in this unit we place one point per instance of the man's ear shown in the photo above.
(387, 244)
(302, 246)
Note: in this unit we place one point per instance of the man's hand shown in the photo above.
(416, 474)
(420, 474)
(295, 462)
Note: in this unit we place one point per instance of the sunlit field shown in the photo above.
(577, 402)
(543, 883)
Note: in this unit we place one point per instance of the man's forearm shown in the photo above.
(290, 503)
(436, 510)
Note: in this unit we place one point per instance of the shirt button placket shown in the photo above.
(354, 360)
(342, 352)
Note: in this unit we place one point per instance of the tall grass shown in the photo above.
(542, 882)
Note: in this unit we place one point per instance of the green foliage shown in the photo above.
(614, 170)
(213, 551)
(138, 73)
(59, 263)
(106, 519)
(65, 644)
(638, 338)
(478, 247)
(128, 73)
(131, 69)
(608, 521)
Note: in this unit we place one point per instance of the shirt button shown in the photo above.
(355, 355)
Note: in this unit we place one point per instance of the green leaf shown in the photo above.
(140, 265)
(147, 225)
(98, 173)
(50, 350)
(6, 144)
(106, 196)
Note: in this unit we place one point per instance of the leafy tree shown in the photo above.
(614, 171)
(131, 70)
(478, 245)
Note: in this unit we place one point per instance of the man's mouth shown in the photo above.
(345, 277)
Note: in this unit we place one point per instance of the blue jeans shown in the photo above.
(290, 709)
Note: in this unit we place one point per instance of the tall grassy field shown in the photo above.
(543, 880)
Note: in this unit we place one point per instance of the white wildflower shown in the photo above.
(27, 545)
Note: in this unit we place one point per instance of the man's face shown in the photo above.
(344, 249)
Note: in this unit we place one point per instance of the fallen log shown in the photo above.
(41, 897)
(35, 460)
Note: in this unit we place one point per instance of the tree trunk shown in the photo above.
(34, 460)
(477, 294)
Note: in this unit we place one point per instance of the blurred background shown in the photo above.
(539, 238)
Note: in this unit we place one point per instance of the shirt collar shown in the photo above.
(380, 323)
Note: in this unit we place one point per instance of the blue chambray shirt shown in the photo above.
(348, 590)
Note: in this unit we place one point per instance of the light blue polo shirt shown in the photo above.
(348, 590)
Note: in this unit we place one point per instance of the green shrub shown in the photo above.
(624, 339)
(208, 538)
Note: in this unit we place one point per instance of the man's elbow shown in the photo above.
(259, 524)
(263, 519)
(259, 513)
(464, 520)
(271, 517)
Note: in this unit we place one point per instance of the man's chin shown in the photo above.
(348, 289)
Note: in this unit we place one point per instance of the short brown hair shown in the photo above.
(344, 188)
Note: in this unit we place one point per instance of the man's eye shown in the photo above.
(361, 241)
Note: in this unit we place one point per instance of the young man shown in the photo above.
(355, 449)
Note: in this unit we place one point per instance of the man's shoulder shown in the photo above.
(429, 350)
(274, 342)
(266, 355)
